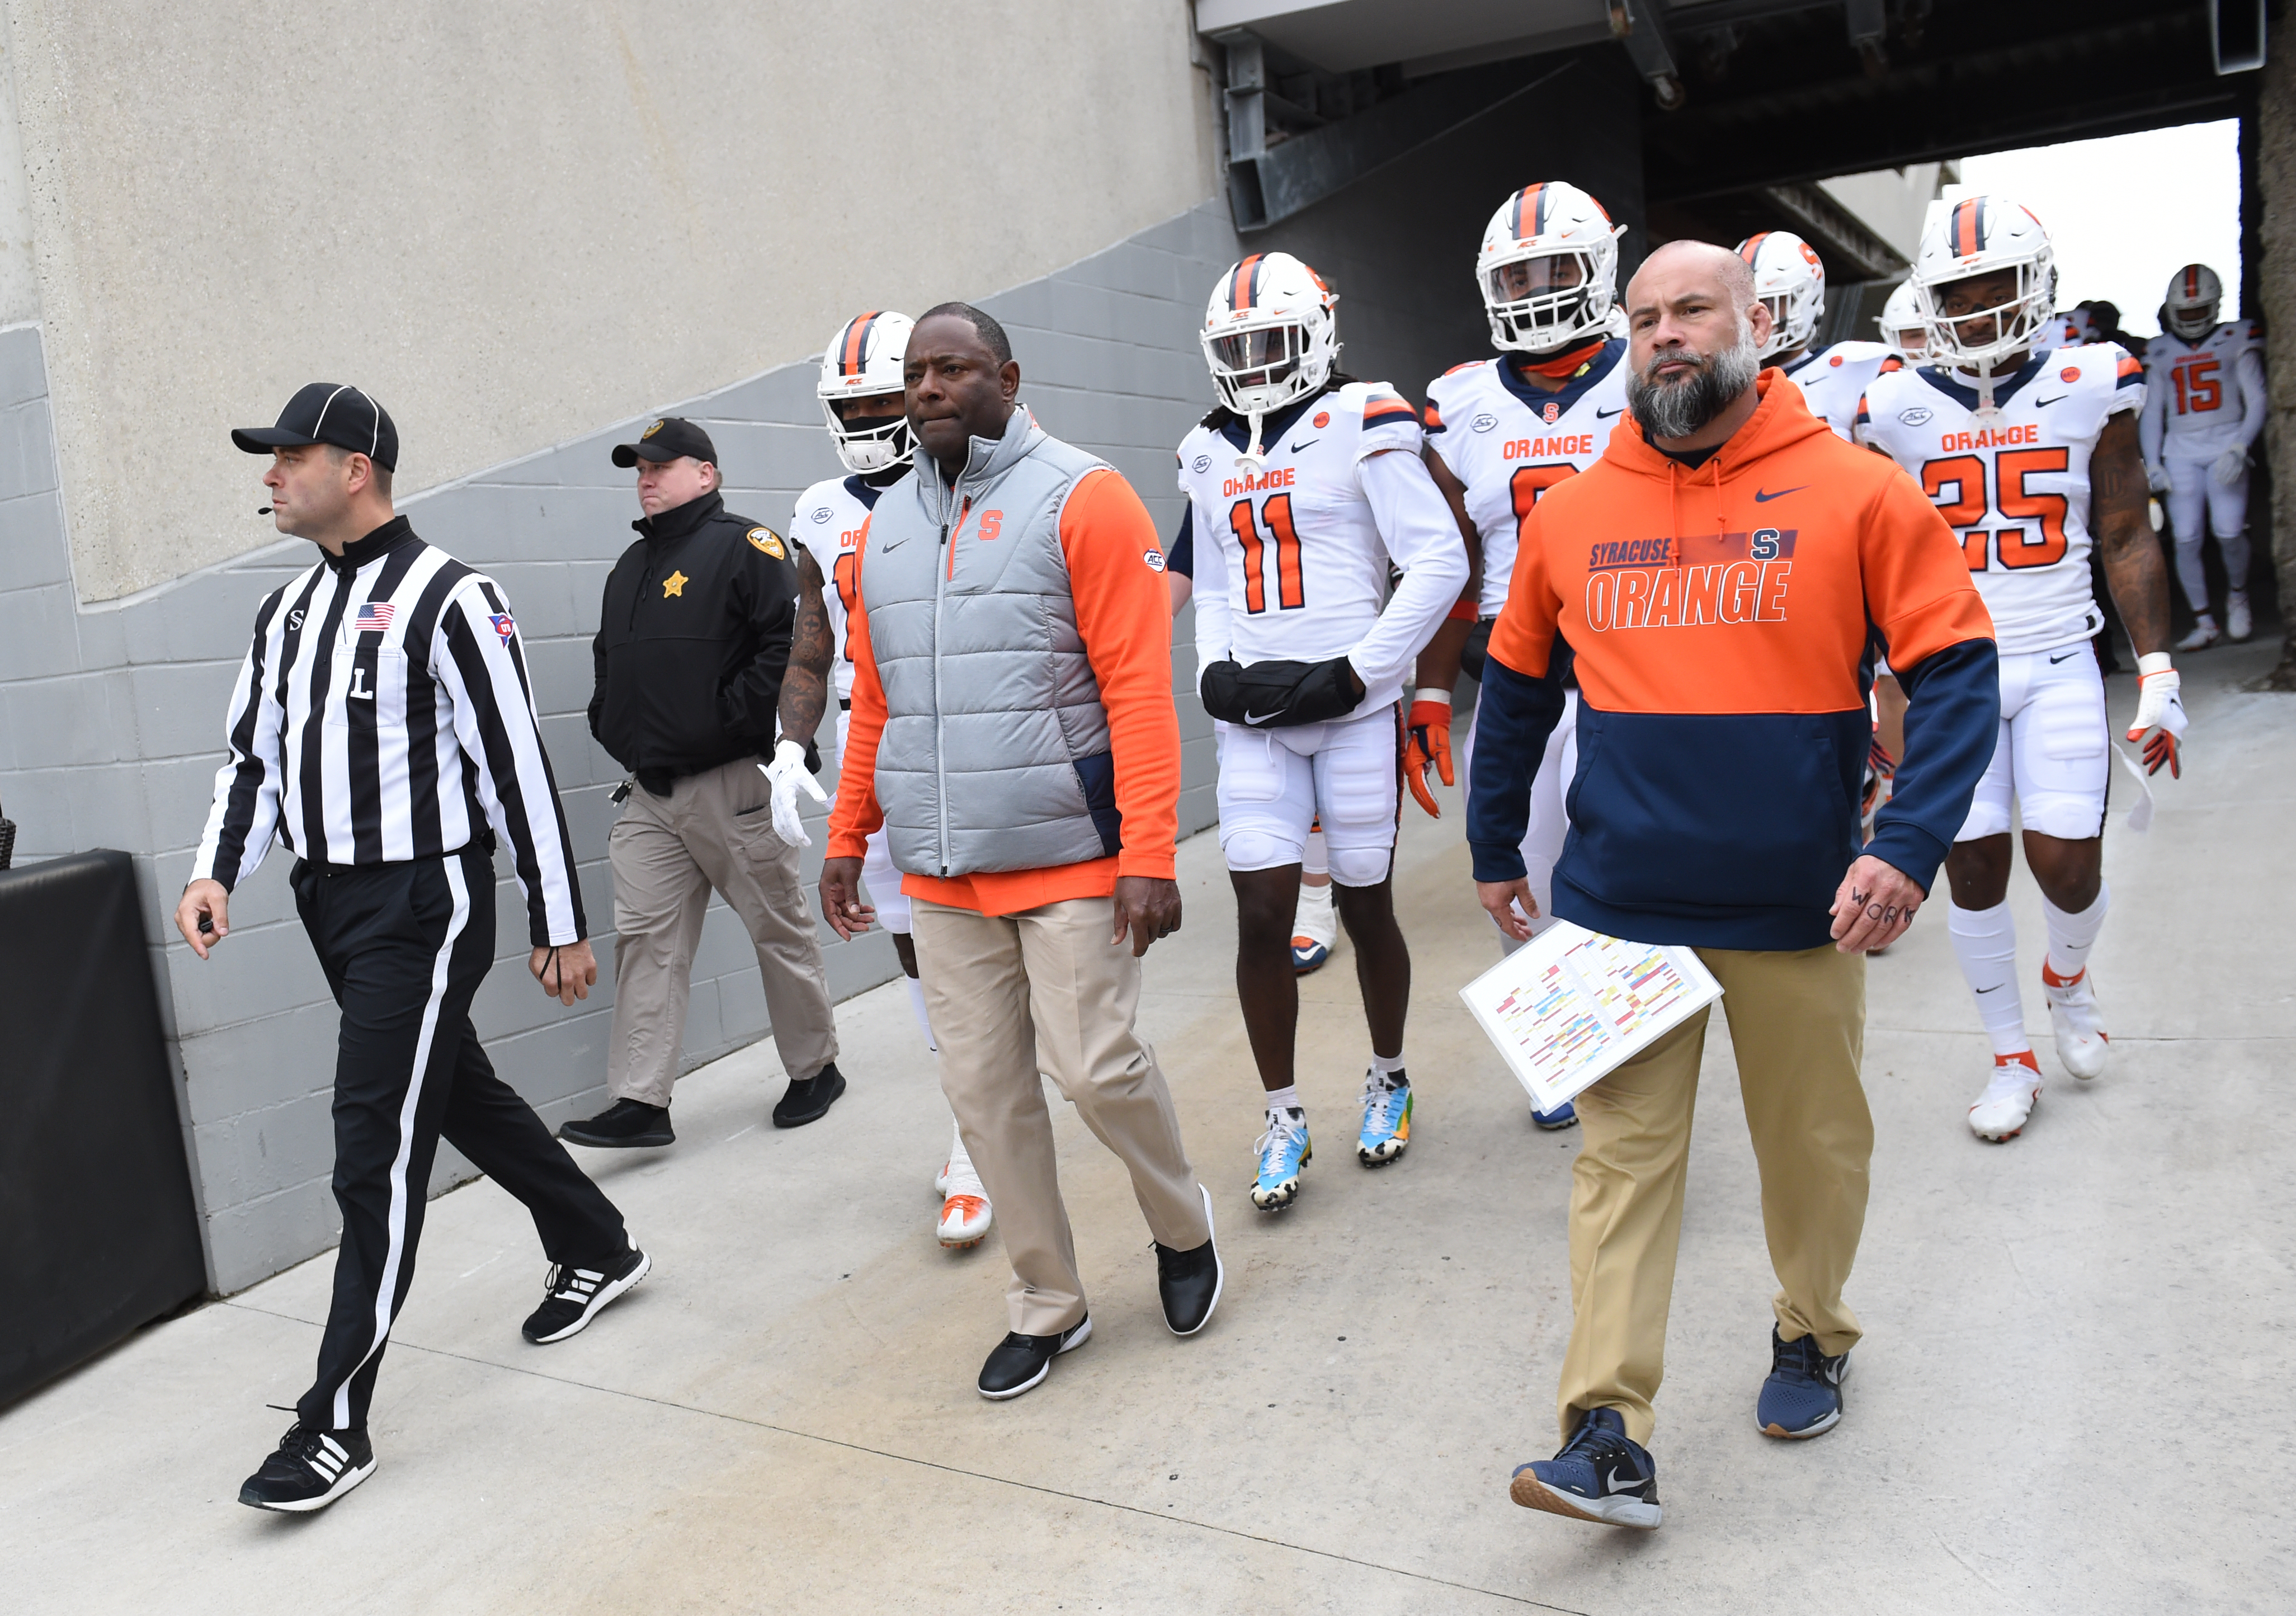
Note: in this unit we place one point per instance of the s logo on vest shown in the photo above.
(992, 524)
(1550, 412)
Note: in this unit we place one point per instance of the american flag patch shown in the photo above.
(374, 617)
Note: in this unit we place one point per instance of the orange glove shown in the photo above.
(1429, 742)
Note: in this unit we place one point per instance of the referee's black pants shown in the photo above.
(405, 947)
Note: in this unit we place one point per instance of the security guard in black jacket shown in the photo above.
(712, 641)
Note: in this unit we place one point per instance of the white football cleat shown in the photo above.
(2205, 633)
(2008, 1100)
(940, 1182)
(964, 1221)
(2081, 1041)
(2240, 623)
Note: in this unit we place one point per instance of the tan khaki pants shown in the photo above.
(1043, 991)
(1798, 1022)
(715, 830)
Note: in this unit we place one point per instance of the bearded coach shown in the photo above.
(383, 731)
(1720, 572)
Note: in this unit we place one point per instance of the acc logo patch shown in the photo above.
(1322, 418)
(650, 431)
(2071, 373)
(1203, 462)
(503, 626)
(1915, 416)
(769, 541)
(821, 513)
(1551, 412)
(1154, 558)
(1483, 423)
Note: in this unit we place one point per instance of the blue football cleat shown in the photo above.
(1602, 1475)
(1803, 1397)
(1307, 954)
(1386, 1118)
(1283, 1150)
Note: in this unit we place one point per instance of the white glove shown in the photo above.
(2157, 476)
(2230, 467)
(786, 773)
(2160, 714)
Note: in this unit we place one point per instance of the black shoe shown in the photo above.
(1021, 1362)
(1189, 1282)
(572, 1297)
(311, 1469)
(809, 1099)
(625, 1125)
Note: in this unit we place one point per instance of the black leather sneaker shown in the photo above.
(1021, 1362)
(311, 1469)
(808, 1100)
(573, 1296)
(1189, 1282)
(625, 1125)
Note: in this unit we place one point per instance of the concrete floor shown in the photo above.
(2073, 1392)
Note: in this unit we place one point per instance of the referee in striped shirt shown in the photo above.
(382, 723)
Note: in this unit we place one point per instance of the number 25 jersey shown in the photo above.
(2014, 488)
(1509, 442)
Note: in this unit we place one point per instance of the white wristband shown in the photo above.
(2151, 662)
(1429, 693)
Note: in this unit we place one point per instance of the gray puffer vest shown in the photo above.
(995, 750)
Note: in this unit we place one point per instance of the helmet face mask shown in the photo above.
(1975, 241)
(1269, 336)
(864, 361)
(2196, 295)
(1548, 269)
(1790, 277)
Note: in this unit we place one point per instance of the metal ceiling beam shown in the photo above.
(1640, 26)
(1835, 230)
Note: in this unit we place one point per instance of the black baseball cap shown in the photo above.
(327, 412)
(670, 438)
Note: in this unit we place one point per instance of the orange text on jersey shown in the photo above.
(1991, 437)
(1278, 477)
(1534, 448)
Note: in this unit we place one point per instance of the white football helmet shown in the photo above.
(1568, 250)
(1790, 278)
(1901, 322)
(1269, 336)
(864, 361)
(2194, 294)
(1983, 235)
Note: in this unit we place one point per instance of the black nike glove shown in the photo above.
(1275, 695)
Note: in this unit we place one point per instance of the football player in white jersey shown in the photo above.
(2203, 406)
(2027, 455)
(1790, 278)
(1500, 432)
(1302, 486)
(860, 391)
(1900, 324)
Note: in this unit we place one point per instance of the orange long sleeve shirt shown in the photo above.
(1124, 613)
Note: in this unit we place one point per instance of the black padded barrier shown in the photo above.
(98, 1230)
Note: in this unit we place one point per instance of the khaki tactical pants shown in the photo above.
(1043, 991)
(715, 830)
(1798, 1023)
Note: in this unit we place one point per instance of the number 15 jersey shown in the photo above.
(2014, 488)
(1509, 442)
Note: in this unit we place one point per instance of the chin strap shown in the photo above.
(1255, 456)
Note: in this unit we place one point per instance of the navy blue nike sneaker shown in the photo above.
(1803, 1397)
(1602, 1475)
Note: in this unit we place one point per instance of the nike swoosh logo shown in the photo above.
(2067, 657)
(1250, 716)
(2042, 404)
(1994, 989)
(1606, 414)
(1761, 499)
(1310, 444)
(1612, 1483)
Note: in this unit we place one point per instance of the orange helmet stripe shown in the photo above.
(1243, 284)
(1968, 234)
(857, 343)
(2193, 282)
(1530, 205)
(1752, 245)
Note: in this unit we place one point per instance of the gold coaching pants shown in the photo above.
(1010, 996)
(1798, 1023)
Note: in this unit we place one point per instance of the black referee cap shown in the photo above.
(327, 412)
(671, 438)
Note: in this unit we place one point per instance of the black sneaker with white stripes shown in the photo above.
(573, 1296)
(311, 1469)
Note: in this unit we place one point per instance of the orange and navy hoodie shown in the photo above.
(1723, 620)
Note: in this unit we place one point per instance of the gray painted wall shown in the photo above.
(110, 718)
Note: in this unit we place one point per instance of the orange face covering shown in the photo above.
(1565, 365)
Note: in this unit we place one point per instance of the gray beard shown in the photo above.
(1676, 409)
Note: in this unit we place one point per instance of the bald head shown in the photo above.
(1729, 277)
(1694, 328)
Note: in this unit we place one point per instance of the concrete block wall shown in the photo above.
(111, 717)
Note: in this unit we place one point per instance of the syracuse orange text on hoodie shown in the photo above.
(1722, 620)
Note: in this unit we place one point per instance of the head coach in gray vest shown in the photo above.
(1013, 729)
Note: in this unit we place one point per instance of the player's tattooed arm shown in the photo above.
(1438, 663)
(2120, 498)
(805, 684)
